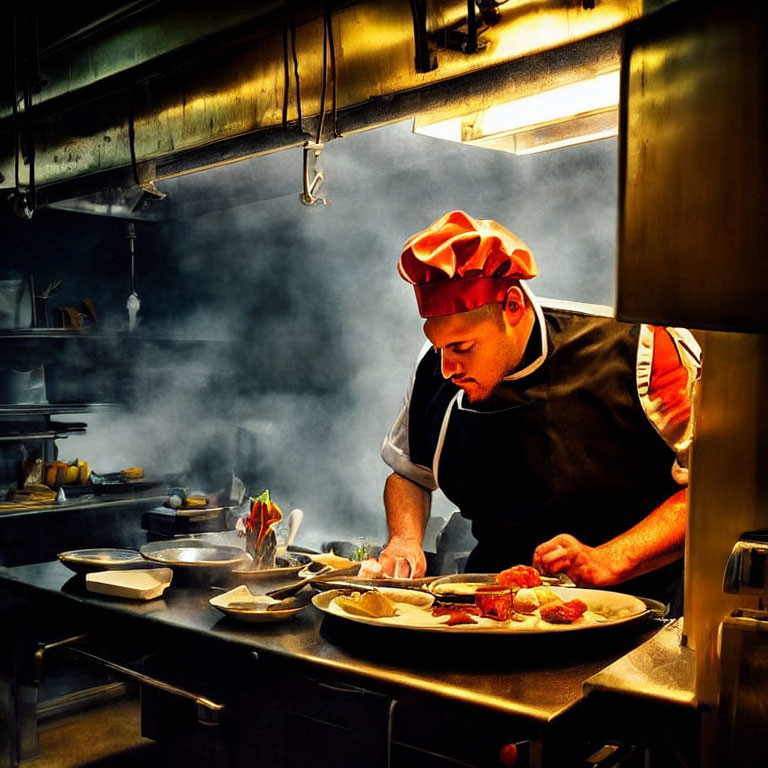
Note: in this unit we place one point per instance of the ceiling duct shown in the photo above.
(107, 106)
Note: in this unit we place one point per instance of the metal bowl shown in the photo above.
(195, 560)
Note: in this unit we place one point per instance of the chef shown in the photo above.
(562, 436)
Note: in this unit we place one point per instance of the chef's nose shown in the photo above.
(449, 367)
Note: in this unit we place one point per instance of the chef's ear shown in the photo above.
(514, 304)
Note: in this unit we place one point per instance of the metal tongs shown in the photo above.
(321, 575)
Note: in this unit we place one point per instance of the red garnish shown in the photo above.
(459, 617)
(446, 609)
(519, 576)
(562, 613)
(264, 514)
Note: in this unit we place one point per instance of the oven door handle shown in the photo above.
(208, 712)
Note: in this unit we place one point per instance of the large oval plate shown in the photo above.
(106, 559)
(605, 609)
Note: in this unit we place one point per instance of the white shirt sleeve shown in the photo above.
(395, 450)
(666, 376)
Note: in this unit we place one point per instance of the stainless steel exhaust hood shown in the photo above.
(105, 106)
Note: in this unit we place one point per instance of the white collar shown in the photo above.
(537, 363)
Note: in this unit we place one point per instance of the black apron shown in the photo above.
(566, 449)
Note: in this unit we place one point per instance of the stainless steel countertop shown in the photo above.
(660, 669)
(537, 678)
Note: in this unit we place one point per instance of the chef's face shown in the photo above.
(478, 348)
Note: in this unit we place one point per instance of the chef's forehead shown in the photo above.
(446, 329)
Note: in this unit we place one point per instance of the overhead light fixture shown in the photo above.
(574, 113)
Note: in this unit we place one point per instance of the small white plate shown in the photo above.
(138, 584)
(240, 603)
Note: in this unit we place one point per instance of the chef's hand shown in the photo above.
(403, 559)
(586, 566)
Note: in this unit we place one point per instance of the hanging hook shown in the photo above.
(312, 154)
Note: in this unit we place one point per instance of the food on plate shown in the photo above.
(58, 473)
(409, 596)
(32, 495)
(372, 604)
(459, 617)
(519, 576)
(563, 612)
(494, 602)
(458, 588)
(545, 594)
(83, 472)
(370, 569)
(132, 473)
(51, 472)
(446, 609)
(194, 502)
(457, 613)
(413, 609)
(335, 561)
(526, 600)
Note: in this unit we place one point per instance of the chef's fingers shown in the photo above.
(557, 559)
(388, 563)
(402, 563)
(545, 547)
(561, 541)
(417, 566)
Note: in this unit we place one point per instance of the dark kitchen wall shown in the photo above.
(286, 328)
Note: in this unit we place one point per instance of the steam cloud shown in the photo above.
(300, 331)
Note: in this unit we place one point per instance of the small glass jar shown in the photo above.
(494, 602)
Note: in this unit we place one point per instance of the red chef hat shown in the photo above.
(459, 263)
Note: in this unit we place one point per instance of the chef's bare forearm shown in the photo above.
(407, 505)
(657, 540)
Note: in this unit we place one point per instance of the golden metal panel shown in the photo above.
(729, 486)
(236, 90)
(693, 233)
